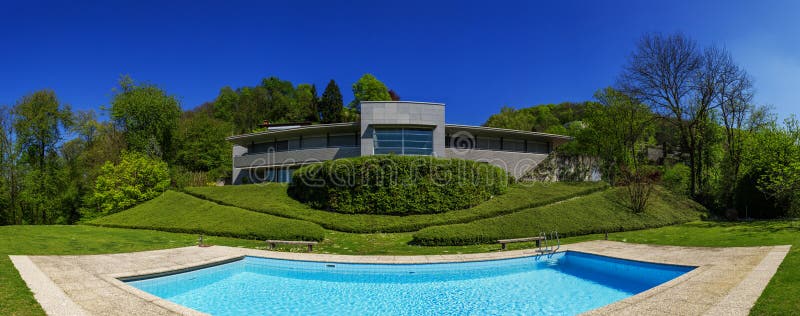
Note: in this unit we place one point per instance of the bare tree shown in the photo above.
(681, 83)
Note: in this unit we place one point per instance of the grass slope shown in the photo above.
(183, 213)
(595, 213)
(273, 199)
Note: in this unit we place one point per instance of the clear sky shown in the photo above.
(475, 56)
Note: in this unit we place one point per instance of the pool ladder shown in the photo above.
(547, 247)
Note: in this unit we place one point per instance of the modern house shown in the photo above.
(386, 127)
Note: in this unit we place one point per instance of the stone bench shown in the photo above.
(310, 244)
(503, 242)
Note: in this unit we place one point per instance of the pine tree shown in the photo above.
(331, 104)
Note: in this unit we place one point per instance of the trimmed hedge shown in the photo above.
(272, 199)
(595, 213)
(397, 185)
(183, 213)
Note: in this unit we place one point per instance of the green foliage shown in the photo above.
(307, 104)
(539, 118)
(33, 171)
(595, 213)
(369, 88)
(182, 213)
(226, 104)
(273, 199)
(202, 145)
(331, 104)
(676, 179)
(39, 123)
(401, 185)
(135, 179)
(774, 161)
(148, 116)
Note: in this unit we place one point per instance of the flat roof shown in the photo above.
(299, 130)
(505, 131)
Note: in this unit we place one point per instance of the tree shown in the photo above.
(202, 145)
(394, 95)
(369, 88)
(39, 121)
(279, 102)
(775, 165)
(617, 129)
(10, 155)
(512, 119)
(135, 179)
(681, 84)
(331, 104)
(226, 104)
(306, 104)
(148, 116)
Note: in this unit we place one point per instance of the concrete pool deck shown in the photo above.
(728, 281)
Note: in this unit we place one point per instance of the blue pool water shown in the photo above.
(565, 283)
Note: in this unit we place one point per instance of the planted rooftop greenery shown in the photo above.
(397, 185)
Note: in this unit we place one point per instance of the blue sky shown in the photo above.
(475, 56)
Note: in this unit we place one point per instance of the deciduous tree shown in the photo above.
(148, 116)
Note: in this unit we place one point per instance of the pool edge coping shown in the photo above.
(759, 275)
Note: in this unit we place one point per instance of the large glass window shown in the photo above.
(403, 141)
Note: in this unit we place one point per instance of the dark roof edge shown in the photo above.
(509, 131)
(299, 128)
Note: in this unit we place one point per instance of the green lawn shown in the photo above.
(16, 299)
(599, 212)
(272, 199)
(778, 299)
(183, 213)
(781, 295)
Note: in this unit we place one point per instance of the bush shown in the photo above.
(596, 213)
(182, 213)
(397, 185)
(135, 179)
(272, 199)
(676, 179)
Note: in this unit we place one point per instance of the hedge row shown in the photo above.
(182, 213)
(595, 213)
(273, 199)
(397, 185)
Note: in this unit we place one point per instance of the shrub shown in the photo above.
(676, 179)
(397, 185)
(639, 184)
(135, 179)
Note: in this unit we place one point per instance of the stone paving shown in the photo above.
(727, 281)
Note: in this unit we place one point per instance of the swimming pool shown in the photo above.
(564, 283)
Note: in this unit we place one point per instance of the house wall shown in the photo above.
(409, 114)
(516, 163)
(292, 157)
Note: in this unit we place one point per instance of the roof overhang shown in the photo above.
(504, 132)
(294, 132)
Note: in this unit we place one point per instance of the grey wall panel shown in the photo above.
(295, 157)
(514, 162)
